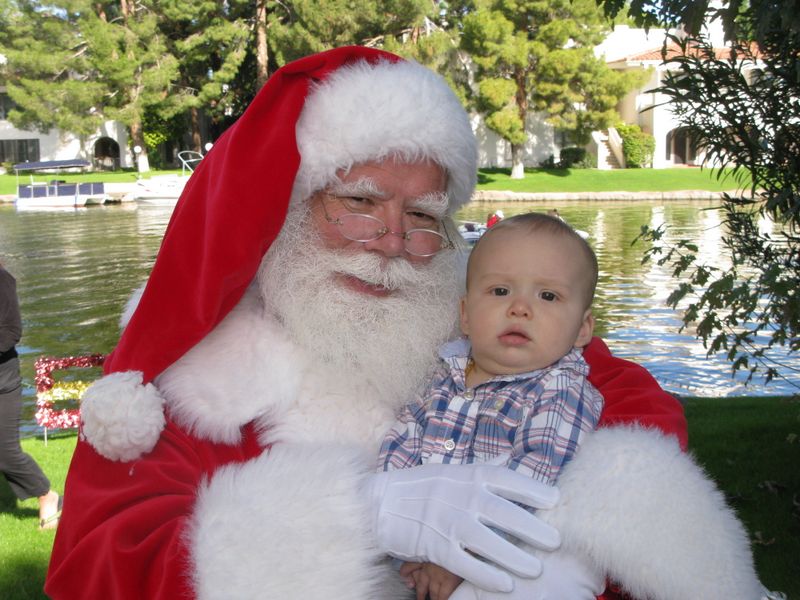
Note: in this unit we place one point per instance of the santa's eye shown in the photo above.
(421, 220)
(548, 296)
(357, 204)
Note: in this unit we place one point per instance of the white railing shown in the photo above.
(615, 143)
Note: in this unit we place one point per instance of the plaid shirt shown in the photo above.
(531, 422)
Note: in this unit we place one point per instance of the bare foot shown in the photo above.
(49, 510)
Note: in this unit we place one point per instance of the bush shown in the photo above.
(637, 146)
(548, 163)
(589, 161)
(571, 157)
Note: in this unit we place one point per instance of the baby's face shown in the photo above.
(525, 306)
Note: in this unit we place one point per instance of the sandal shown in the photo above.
(51, 522)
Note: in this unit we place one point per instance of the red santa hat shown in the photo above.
(313, 117)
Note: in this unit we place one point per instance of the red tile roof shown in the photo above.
(672, 50)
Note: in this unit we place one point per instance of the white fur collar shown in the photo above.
(248, 369)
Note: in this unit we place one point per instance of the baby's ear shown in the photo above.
(586, 330)
(463, 320)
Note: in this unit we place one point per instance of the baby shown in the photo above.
(514, 390)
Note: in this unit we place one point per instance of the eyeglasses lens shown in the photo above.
(365, 228)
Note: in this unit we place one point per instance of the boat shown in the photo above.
(471, 232)
(57, 193)
(166, 189)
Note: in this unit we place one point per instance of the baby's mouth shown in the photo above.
(514, 338)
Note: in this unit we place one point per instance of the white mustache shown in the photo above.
(395, 274)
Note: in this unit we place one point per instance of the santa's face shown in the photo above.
(402, 196)
(370, 310)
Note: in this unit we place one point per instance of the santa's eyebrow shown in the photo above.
(435, 203)
(364, 186)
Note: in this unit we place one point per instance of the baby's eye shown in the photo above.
(548, 296)
(499, 291)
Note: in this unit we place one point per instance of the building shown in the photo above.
(625, 48)
(106, 149)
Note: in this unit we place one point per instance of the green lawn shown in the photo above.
(8, 182)
(745, 444)
(536, 180)
(750, 446)
(618, 180)
(24, 550)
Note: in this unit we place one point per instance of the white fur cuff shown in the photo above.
(645, 513)
(290, 523)
(122, 418)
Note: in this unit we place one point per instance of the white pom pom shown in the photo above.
(121, 418)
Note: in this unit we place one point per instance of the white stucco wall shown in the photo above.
(626, 41)
(58, 145)
(493, 151)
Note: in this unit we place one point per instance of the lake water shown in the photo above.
(75, 269)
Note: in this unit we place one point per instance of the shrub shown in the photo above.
(589, 161)
(637, 146)
(548, 163)
(571, 157)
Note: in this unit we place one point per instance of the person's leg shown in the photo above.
(23, 474)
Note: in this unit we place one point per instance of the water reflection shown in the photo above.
(76, 269)
(631, 310)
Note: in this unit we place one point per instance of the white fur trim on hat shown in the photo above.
(130, 306)
(121, 418)
(369, 112)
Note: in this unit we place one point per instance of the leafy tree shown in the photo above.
(434, 41)
(48, 73)
(537, 55)
(637, 146)
(303, 27)
(211, 41)
(128, 55)
(73, 64)
(743, 109)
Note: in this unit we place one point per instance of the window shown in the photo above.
(6, 105)
(17, 151)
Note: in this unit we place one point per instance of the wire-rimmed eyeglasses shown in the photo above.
(364, 228)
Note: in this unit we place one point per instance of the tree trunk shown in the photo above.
(518, 150)
(517, 167)
(137, 137)
(262, 52)
(197, 140)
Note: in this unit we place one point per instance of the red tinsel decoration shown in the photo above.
(45, 415)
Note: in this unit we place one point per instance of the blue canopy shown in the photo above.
(51, 164)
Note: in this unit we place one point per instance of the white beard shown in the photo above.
(388, 343)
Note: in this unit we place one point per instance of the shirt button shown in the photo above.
(498, 404)
(449, 445)
(469, 394)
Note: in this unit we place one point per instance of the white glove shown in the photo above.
(436, 512)
(564, 577)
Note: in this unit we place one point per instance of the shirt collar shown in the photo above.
(456, 353)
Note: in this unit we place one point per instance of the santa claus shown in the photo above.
(304, 283)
